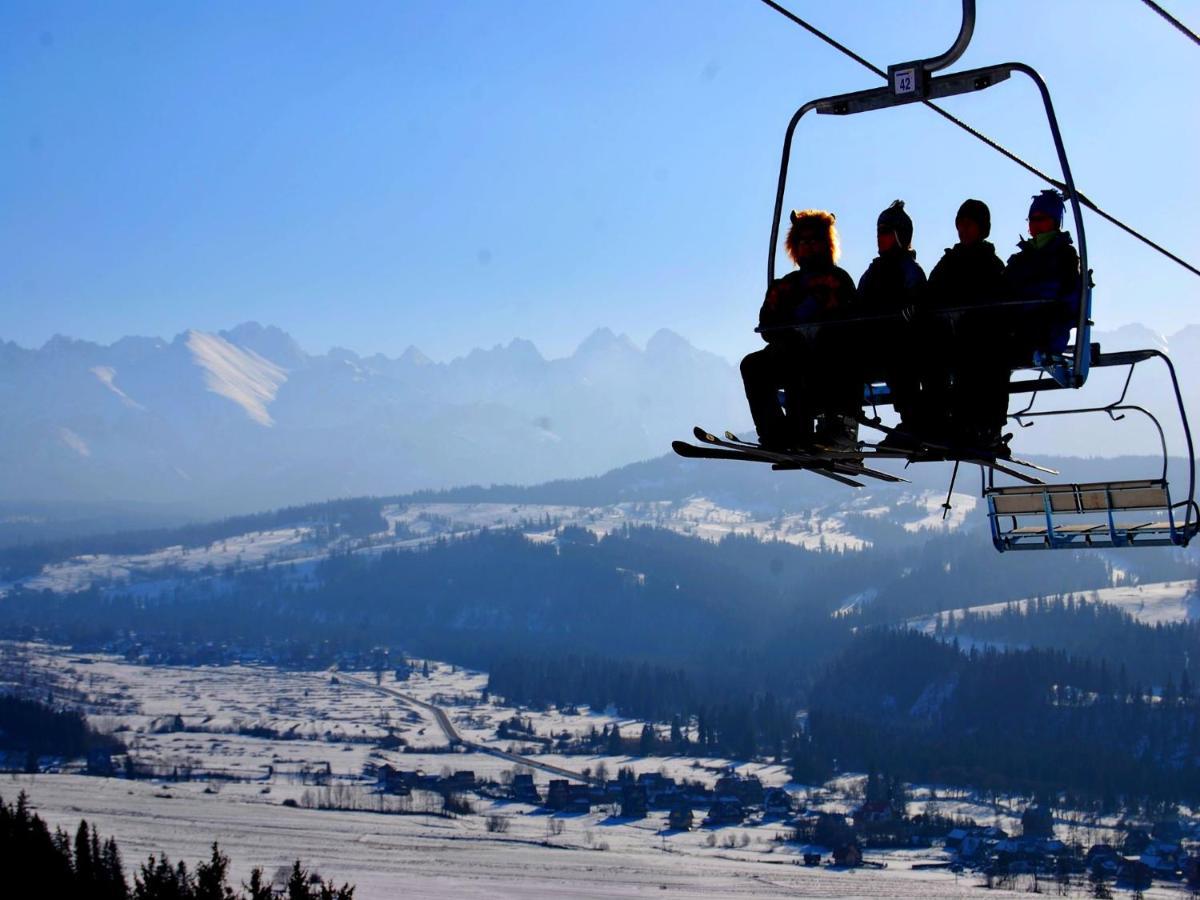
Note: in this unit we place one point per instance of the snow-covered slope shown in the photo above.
(1156, 603)
(238, 374)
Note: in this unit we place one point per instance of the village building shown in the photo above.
(680, 818)
(523, 790)
(777, 802)
(634, 803)
(848, 855)
(725, 811)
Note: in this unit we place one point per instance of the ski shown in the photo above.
(845, 463)
(851, 459)
(690, 451)
(945, 453)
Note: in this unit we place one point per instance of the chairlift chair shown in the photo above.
(1029, 516)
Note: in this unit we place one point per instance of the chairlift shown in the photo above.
(1028, 515)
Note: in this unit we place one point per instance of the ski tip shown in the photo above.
(730, 436)
(702, 435)
(680, 447)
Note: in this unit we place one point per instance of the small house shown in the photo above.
(848, 855)
(523, 790)
(680, 818)
(634, 802)
(725, 811)
(777, 802)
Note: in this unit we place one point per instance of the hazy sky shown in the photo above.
(455, 174)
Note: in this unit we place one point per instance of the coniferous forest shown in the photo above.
(41, 863)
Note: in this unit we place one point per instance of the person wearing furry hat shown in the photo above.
(1045, 267)
(967, 370)
(816, 291)
(892, 284)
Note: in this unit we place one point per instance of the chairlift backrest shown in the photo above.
(1082, 498)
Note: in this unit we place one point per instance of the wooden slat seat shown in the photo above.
(1044, 504)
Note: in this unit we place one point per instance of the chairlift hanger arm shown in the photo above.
(912, 82)
(964, 34)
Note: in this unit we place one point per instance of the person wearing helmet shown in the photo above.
(968, 369)
(894, 284)
(816, 291)
(1044, 268)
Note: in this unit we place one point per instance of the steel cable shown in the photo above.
(999, 148)
(1174, 21)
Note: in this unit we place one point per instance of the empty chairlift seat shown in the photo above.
(1062, 516)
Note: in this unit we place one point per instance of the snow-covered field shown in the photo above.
(1161, 602)
(318, 718)
(427, 857)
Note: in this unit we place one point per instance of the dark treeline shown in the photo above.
(358, 516)
(1031, 720)
(636, 689)
(754, 615)
(28, 726)
(40, 863)
(1152, 654)
(642, 594)
(728, 719)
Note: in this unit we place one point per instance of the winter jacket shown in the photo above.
(891, 283)
(812, 293)
(967, 275)
(1046, 267)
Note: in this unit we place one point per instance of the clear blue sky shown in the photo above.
(455, 174)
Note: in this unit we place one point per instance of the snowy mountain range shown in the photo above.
(245, 419)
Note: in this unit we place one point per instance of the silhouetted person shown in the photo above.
(1045, 267)
(893, 284)
(968, 364)
(793, 359)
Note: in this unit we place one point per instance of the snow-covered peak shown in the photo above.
(238, 374)
(269, 342)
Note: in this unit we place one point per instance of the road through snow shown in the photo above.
(455, 739)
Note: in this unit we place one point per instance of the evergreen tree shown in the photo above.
(84, 873)
(647, 740)
(258, 888)
(211, 878)
(614, 742)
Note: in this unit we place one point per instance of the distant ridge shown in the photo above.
(244, 419)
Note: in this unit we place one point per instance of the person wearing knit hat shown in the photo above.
(893, 283)
(967, 378)
(795, 359)
(970, 272)
(1046, 209)
(1045, 268)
